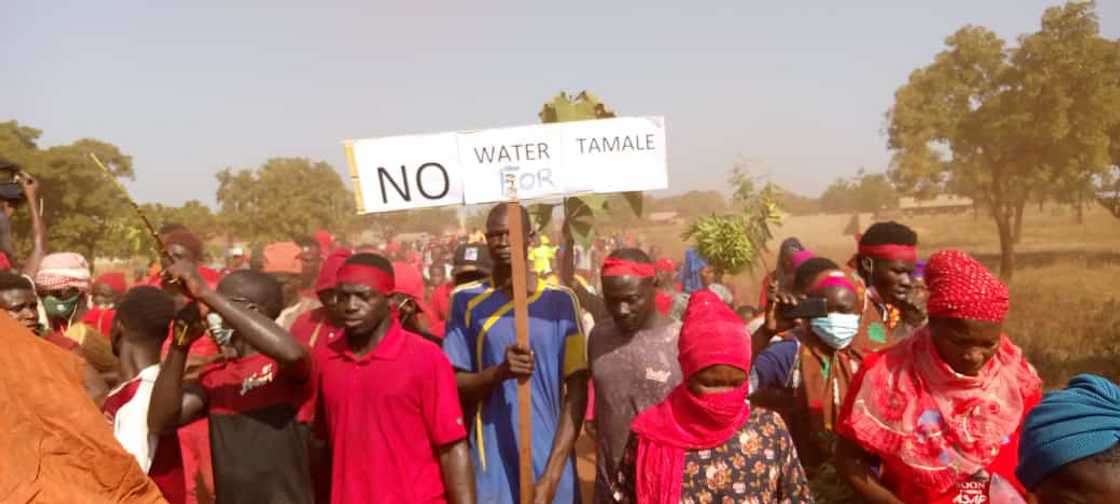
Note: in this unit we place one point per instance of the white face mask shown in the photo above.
(837, 330)
(218, 331)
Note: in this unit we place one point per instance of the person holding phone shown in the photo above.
(805, 376)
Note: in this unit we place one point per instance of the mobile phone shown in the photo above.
(805, 309)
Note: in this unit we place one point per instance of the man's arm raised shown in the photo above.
(173, 403)
(261, 332)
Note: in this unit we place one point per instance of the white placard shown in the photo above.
(618, 155)
(544, 160)
(397, 173)
(532, 155)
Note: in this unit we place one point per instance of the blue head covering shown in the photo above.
(690, 273)
(1069, 425)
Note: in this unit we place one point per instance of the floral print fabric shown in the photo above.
(758, 464)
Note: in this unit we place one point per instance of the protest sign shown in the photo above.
(398, 173)
(543, 160)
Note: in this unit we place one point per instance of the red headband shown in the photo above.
(833, 278)
(615, 267)
(362, 274)
(890, 252)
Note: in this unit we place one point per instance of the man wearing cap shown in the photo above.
(387, 408)
(284, 261)
(235, 260)
(481, 343)
(633, 358)
(471, 263)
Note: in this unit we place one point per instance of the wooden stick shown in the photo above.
(521, 319)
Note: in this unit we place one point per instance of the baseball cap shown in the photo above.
(471, 257)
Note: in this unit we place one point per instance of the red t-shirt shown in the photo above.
(258, 451)
(385, 414)
(441, 301)
(313, 331)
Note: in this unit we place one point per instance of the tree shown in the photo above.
(79, 205)
(1070, 79)
(862, 193)
(690, 204)
(284, 198)
(433, 221)
(736, 241)
(998, 125)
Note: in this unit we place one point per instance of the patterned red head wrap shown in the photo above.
(665, 265)
(961, 288)
(615, 267)
(364, 274)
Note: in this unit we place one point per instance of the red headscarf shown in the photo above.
(711, 334)
(328, 273)
(961, 288)
(665, 265)
(115, 280)
(410, 283)
(325, 240)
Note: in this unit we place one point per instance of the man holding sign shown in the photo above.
(481, 345)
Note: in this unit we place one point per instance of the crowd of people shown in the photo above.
(309, 370)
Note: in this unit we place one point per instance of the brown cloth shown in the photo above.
(55, 446)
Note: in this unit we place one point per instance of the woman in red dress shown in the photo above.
(936, 417)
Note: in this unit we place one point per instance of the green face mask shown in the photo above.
(60, 308)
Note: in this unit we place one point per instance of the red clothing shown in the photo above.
(61, 341)
(166, 468)
(100, 319)
(897, 477)
(441, 301)
(313, 331)
(711, 334)
(257, 448)
(384, 414)
(194, 437)
(663, 302)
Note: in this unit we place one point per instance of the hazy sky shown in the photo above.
(799, 88)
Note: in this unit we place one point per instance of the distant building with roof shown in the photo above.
(943, 204)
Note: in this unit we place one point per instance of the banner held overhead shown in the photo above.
(543, 160)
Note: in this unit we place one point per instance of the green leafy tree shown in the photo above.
(736, 241)
(80, 207)
(1000, 125)
(863, 193)
(284, 198)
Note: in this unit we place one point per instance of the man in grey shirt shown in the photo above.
(633, 358)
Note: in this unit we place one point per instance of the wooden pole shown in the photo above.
(521, 319)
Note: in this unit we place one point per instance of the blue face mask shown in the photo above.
(837, 330)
